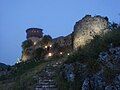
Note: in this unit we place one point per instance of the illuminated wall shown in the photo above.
(87, 28)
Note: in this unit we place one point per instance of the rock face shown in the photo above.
(3, 69)
(87, 28)
(106, 78)
(111, 60)
(68, 71)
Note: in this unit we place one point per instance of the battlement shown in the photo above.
(34, 32)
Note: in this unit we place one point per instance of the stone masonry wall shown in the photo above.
(87, 28)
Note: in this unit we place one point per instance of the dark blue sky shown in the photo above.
(56, 17)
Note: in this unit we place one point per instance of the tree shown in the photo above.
(26, 44)
(56, 47)
(106, 18)
(47, 39)
(113, 26)
(39, 53)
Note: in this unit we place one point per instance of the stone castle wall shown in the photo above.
(63, 41)
(87, 28)
(84, 30)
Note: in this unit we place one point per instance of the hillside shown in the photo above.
(25, 76)
(96, 66)
(92, 65)
(3, 65)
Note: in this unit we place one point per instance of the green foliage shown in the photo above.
(112, 37)
(26, 44)
(109, 74)
(88, 55)
(39, 53)
(24, 84)
(26, 66)
(100, 43)
(93, 66)
(113, 26)
(73, 58)
(19, 69)
(56, 47)
(47, 39)
(62, 83)
(23, 75)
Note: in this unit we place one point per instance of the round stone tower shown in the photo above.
(34, 34)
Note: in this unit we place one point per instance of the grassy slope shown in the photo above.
(26, 80)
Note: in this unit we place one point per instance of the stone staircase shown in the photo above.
(46, 77)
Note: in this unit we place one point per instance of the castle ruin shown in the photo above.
(87, 28)
(84, 30)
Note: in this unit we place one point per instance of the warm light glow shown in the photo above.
(34, 43)
(68, 54)
(45, 46)
(49, 54)
(50, 45)
(61, 53)
(18, 60)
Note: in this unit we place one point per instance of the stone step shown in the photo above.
(46, 89)
(45, 80)
(46, 86)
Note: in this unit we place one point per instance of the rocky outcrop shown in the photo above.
(87, 28)
(106, 78)
(68, 71)
(111, 58)
(4, 69)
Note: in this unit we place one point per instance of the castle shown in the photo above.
(84, 30)
(34, 34)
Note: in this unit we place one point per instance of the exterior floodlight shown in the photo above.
(68, 54)
(61, 53)
(45, 46)
(49, 54)
(50, 45)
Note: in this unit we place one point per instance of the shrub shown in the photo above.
(39, 53)
(109, 74)
(99, 43)
(93, 66)
(26, 44)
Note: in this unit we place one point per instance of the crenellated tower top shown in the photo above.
(34, 32)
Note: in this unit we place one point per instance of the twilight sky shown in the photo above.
(56, 17)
